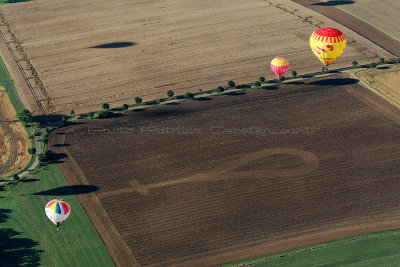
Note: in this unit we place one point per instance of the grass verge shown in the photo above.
(29, 238)
(377, 249)
(8, 84)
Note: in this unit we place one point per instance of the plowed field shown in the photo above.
(210, 182)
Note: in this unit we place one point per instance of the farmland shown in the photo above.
(383, 14)
(225, 179)
(84, 53)
(386, 80)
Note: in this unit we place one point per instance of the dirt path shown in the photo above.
(364, 29)
(15, 143)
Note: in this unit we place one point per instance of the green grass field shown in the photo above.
(29, 238)
(378, 249)
(7, 83)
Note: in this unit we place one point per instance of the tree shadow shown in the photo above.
(273, 87)
(383, 68)
(297, 82)
(14, 250)
(138, 109)
(61, 145)
(114, 45)
(203, 98)
(234, 93)
(29, 180)
(243, 86)
(336, 81)
(172, 103)
(47, 118)
(334, 3)
(68, 190)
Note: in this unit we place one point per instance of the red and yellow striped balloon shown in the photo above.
(327, 44)
(279, 66)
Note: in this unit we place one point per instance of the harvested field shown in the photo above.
(14, 142)
(210, 182)
(93, 51)
(334, 10)
(386, 80)
(383, 14)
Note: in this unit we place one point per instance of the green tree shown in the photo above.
(31, 150)
(188, 95)
(294, 73)
(90, 114)
(47, 156)
(170, 93)
(220, 89)
(323, 69)
(24, 116)
(261, 79)
(104, 114)
(125, 106)
(373, 65)
(257, 83)
(72, 112)
(138, 100)
(381, 60)
(355, 63)
(281, 79)
(231, 84)
(105, 106)
(16, 177)
(398, 60)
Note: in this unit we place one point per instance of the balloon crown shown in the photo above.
(328, 32)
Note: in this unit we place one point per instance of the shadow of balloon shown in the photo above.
(334, 3)
(336, 81)
(114, 45)
(68, 190)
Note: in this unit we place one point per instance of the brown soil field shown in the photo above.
(84, 53)
(209, 182)
(14, 142)
(385, 80)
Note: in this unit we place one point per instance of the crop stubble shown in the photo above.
(178, 45)
(353, 134)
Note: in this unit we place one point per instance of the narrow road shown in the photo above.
(364, 29)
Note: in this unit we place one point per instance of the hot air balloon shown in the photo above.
(279, 66)
(327, 44)
(57, 210)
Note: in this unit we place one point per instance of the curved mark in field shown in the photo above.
(226, 171)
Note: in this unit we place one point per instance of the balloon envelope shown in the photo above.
(327, 44)
(57, 210)
(279, 66)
